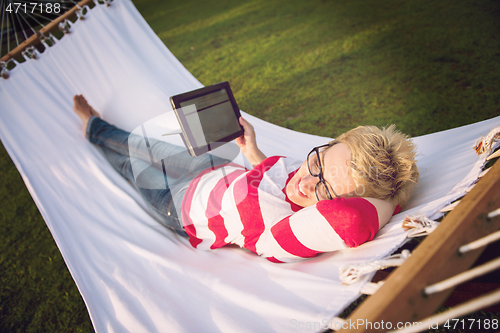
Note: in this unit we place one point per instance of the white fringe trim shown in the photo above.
(352, 273)
(485, 143)
(419, 226)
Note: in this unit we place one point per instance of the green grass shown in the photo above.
(36, 290)
(324, 66)
(319, 66)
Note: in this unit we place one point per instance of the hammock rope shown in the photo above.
(20, 8)
(43, 34)
(450, 316)
(371, 288)
(482, 242)
(463, 277)
(1, 32)
(352, 273)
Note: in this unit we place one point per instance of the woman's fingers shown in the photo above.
(248, 128)
(240, 141)
(243, 124)
(248, 134)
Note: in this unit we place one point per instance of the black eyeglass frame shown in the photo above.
(320, 174)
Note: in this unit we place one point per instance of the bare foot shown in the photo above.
(83, 110)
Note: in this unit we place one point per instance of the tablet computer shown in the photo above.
(208, 117)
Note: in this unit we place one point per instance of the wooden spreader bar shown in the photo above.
(402, 299)
(34, 40)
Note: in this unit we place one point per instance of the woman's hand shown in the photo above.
(248, 144)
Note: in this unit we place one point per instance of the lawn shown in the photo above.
(318, 66)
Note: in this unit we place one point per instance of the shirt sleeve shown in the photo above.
(328, 226)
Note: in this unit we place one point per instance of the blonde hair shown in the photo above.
(382, 162)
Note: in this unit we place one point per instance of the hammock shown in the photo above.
(135, 275)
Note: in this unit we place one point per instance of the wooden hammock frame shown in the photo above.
(53, 25)
(401, 298)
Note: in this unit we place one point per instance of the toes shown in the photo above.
(77, 99)
(80, 101)
(82, 106)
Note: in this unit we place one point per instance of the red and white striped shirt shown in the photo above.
(231, 205)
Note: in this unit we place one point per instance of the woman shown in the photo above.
(285, 211)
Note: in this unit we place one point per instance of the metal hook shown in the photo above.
(30, 53)
(64, 26)
(79, 13)
(4, 72)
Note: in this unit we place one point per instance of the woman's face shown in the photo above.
(335, 164)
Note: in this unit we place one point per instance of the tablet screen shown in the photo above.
(209, 117)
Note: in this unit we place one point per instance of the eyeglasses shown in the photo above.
(314, 166)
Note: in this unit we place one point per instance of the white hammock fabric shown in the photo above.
(133, 274)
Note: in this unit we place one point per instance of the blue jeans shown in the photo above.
(161, 172)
